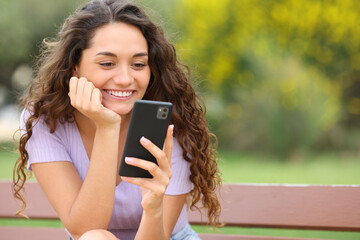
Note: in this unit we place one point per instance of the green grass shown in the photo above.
(281, 232)
(7, 160)
(329, 168)
(31, 222)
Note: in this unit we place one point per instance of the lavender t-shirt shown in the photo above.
(65, 144)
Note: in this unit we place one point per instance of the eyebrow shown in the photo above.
(141, 54)
(106, 54)
(110, 54)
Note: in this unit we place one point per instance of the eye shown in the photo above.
(139, 65)
(106, 64)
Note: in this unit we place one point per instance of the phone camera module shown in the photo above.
(162, 113)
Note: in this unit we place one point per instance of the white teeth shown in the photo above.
(120, 93)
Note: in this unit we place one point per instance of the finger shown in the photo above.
(88, 90)
(156, 152)
(80, 91)
(159, 175)
(168, 146)
(96, 96)
(72, 88)
(151, 167)
(153, 186)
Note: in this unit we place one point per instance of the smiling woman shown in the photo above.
(116, 62)
(76, 118)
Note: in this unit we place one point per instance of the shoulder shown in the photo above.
(178, 162)
(44, 145)
(39, 128)
(180, 181)
(177, 155)
(177, 150)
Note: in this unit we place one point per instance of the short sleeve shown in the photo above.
(180, 181)
(43, 146)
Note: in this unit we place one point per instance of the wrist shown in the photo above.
(103, 127)
(152, 208)
(154, 213)
(111, 131)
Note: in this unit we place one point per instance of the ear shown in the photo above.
(75, 71)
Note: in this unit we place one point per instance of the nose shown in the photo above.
(123, 76)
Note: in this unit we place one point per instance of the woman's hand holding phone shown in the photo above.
(153, 189)
(86, 98)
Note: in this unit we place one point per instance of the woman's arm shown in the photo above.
(173, 205)
(149, 226)
(87, 205)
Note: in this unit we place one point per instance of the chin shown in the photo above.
(121, 110)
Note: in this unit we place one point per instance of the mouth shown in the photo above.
(120, 94)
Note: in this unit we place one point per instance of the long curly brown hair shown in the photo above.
(47, 96)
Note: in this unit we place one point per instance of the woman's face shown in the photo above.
(117, 63)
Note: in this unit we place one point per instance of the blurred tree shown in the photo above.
(325, 35)
(277, 69)
(277, 76)
(24, 24)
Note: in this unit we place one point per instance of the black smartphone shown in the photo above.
(151, 120)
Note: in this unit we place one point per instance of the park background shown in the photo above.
(280, 80)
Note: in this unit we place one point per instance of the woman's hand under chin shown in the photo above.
(86, 98)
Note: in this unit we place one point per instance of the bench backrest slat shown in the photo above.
(323, 207)
(38, 206)
(279, 206)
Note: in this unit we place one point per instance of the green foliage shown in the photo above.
(278, 76)
(24, 24)
(274, 71)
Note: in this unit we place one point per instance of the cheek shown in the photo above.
(144, 79)
(98, 79)
(91, 73)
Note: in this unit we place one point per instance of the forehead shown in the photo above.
(118, 36)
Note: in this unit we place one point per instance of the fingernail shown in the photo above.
(172, 128)
(144, 140)
(129, 160)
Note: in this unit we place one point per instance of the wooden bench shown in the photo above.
(335, 208)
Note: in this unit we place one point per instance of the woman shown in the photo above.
(77, 112)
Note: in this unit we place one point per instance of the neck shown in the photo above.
(85, 125)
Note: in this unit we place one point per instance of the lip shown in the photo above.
(119, 94)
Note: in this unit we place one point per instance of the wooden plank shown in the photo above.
(322, 207)
(38, 205)
(36, 233)
(246, 237)
(254, 205)
(33, 233)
